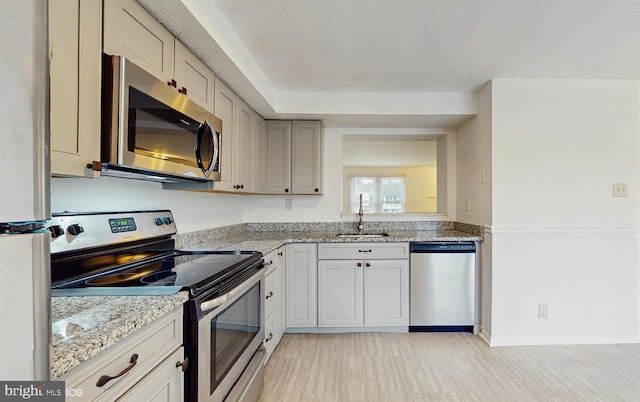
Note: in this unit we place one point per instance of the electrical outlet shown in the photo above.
(543, 310)
(288, 204)
(467, 204)
(620, 190)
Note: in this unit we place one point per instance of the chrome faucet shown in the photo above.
(360, 213)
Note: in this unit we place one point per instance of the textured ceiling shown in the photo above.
(434, 45)
(384, 62)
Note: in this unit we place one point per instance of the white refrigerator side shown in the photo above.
(24, 307)
(24, 111)
(24, 191)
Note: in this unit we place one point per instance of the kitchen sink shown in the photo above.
(359, 235)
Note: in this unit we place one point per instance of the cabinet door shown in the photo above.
(242, 163)
(281, 309)
(131, 32)
(301, 266)
(278, 172)
(165, 383)
(194, 76)
(340, 301)
(258, 152)
(386, 290)
(224, 103)
(307, 157)
(75, 40)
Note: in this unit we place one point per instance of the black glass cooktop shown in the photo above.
(143, 272)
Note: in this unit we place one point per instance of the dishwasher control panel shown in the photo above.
(449, 247)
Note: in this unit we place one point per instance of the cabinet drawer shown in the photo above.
(362, 251)
(164, 384)
(270, 292)
(270, 261)
(152, 344)
(270, 336)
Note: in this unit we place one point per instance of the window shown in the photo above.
(382, 195)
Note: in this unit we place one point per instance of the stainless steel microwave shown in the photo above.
(151, 130)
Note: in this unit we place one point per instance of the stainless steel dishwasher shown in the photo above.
(443, 286)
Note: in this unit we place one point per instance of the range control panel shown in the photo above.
(76, 231)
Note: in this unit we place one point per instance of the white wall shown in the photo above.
(473, 155)
(192, 210)
(558, 236)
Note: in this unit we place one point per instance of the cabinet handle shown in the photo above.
(269, 338)
(172, 83)
(184, 364)
(359, 264)
(286, 190)
(367, 264)
(269, 263)
(280, 253)
(105, 378)
(183, 90)
(269, 295)
(317, 190)
(364, 251)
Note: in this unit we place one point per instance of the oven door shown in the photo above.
(229, 334)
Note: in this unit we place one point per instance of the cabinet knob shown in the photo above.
(183, 90)
(359, 264)
(367, 264)
(317, 190)
(184, 364)
(172, 83)
(286, 190)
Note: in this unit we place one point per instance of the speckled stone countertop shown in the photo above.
(85, 326)
(266, 242)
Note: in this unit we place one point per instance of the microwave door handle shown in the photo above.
(214, 152)
(196, 147)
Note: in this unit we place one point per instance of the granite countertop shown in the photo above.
(84, 326)
(266, 242)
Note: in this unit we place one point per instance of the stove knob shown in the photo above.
(56, 231)
(75, 229)
(158, 221)
(167, 221)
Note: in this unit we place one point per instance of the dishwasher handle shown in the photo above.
(443, 247)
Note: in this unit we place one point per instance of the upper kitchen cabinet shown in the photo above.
(258, 152)
(130, 31)
(294, 157)
(242, 152)
(242, 160)
(225, 105)
(194, 77)
(75, 42)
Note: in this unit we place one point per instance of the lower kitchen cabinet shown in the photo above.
(301, 273)
(354, 293)
(153, 356)
(274, 300)
(363, 292)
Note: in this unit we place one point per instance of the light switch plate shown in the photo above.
(620, 190)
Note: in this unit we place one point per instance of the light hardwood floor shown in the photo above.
(446, 367)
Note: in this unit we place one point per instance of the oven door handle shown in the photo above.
(238, 290)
